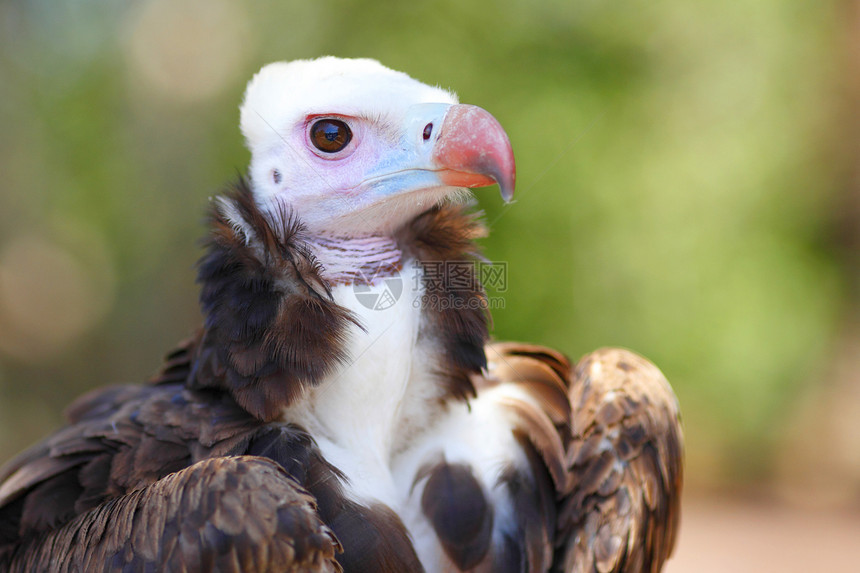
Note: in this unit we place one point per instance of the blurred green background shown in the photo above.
(686, 188)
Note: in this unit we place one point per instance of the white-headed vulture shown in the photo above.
(342, 408)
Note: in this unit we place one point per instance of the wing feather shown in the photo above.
(621, 507)
(528, 385)
(227, 514)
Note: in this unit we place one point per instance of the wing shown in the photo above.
(237, 514)
(129, 439)
(527, 386)
(620, 511)
(119, 439)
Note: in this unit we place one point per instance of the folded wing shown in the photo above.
(621, 508)
(233, 514)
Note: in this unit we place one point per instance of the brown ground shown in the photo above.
(740, 536)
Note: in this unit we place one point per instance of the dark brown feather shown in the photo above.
(457, 317)
(528, 547)
(271, 328)
(457, 507)
(374, 538)
(240, 514)
(120, 439)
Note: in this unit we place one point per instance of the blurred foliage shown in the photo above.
(675, 168)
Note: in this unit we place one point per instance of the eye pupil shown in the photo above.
(330, 135)
(428, 131)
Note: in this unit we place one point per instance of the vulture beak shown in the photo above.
(472, 150)
(446, 145)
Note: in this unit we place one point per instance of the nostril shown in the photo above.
(428, 131)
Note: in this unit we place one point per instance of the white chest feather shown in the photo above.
(356, 415)
(379, 418)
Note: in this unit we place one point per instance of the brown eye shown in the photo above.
(330, 135)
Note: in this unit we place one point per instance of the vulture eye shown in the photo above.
(330, 135)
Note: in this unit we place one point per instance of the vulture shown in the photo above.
(343, 407)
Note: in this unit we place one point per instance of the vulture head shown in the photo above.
(355, 148)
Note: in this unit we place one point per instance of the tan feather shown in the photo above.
(621, 509)
(531, 383)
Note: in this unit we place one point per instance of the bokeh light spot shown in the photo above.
(48, 297)
(188, 50)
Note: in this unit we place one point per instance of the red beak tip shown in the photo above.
(475, 151)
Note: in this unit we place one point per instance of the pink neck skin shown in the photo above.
(360, 260)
